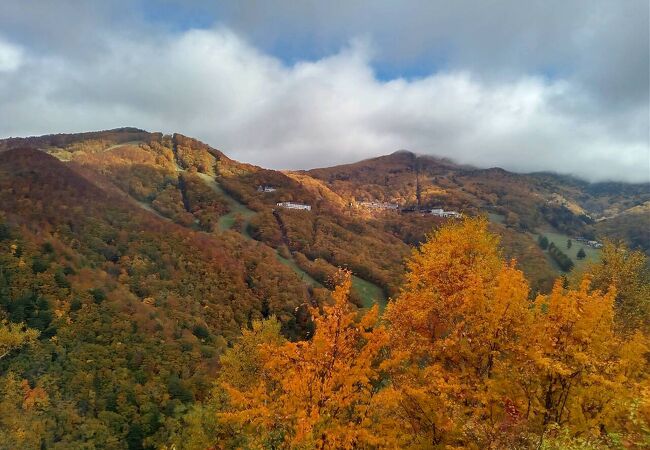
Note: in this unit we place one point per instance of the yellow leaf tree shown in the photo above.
(581, 374)
(14, 336)
(318, 393)
(462, 312)
(629, 272)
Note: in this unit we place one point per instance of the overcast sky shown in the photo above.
(524, 85)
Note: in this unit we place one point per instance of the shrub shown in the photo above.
(39, 265)
(200, 332)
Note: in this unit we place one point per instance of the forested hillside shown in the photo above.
(462, 359)
(526, 202)
(130, 263)
(133, 310)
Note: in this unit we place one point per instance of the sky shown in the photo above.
(524, 85)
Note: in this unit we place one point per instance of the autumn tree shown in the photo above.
(318, 393)
(14, 336)
(461, 312)
(628, 271)
(476, 363)
(578, 373)
(241, 369)
(23, 414)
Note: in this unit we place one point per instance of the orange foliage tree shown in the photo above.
(629, 272)
(462, 359)
(318, 393)
(461, 311)
(579, 372)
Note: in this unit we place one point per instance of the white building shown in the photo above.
(265, 188)
(590, 243)
(439, 212)
(292, 205)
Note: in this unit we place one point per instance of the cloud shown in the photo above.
(11, 57)
(217, 86)
(603, 45)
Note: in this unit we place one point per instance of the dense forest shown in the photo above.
(132, 311)
(152, 296)
(462, 359)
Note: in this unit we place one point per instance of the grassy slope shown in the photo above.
(304, 276)
(369, 293)
(227, 221)
(560, 241)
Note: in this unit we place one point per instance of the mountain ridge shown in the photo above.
(598, 200)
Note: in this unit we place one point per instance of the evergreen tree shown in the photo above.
(543, 242)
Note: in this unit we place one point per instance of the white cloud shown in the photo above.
(213, 85)
(11, 56)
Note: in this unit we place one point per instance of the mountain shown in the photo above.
(403, 175)
(527, 202)
(139, 256)
(199, 187)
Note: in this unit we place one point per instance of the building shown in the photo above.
(265, 188)
(292, 205)
(590, 243)
(439, 212)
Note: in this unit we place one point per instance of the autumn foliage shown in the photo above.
(461, 359)
(123, 298)
(318, 393)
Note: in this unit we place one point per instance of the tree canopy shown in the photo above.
(461, 359)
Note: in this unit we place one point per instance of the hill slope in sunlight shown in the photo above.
(139, 256)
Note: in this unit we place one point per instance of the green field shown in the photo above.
(304, 276)
(497, 218)
(370, 293)
(560, 241)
